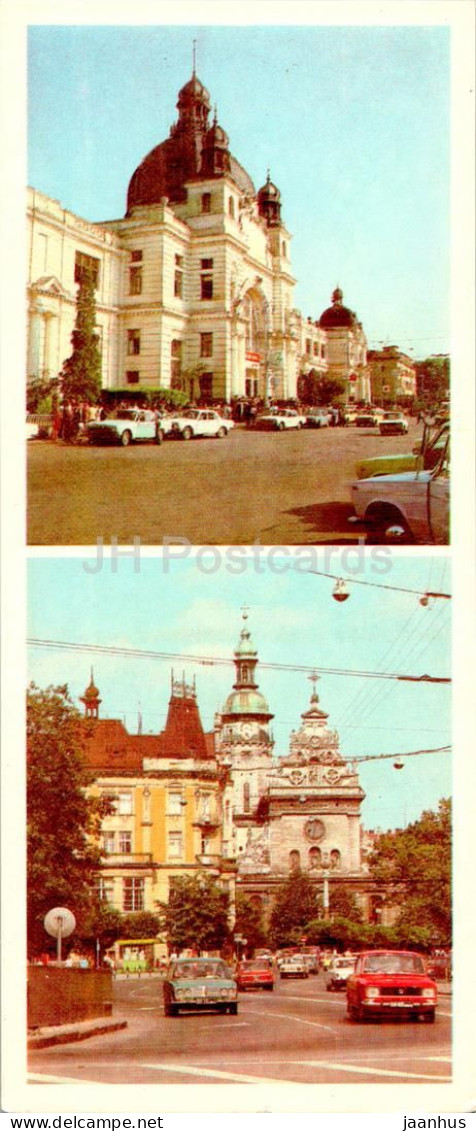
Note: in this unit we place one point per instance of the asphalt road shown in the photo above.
(290, 488)
(298, 1034)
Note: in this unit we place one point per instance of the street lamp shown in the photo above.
(325, 893)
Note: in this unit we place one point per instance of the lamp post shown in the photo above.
(325, 893)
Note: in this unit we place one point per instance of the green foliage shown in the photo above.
(342, 902)
(294, 906)
(433, 379)
(249, 922)
(142, 925)
(81, 373)
(338, 932)
(196, 914)
(315, 389)
(415, 866)
(39, 395)
(62, 822)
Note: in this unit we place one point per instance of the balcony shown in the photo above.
(208, 859)
(117, 859)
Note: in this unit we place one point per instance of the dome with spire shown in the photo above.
(269, 202)
(337, 315)
(165, 170)
(246, 699)
(91, 699)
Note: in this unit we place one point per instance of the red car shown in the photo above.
(390, 982)
(255, 973)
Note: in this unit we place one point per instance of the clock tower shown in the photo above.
(244, 744)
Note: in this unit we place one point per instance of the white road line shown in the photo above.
(444, 1059)
(216, 1073)
(302, 1020)
(372, 1071)
(42, 1078)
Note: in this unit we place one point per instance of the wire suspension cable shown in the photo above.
(212, 661)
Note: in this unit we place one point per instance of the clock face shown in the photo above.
(314, 829)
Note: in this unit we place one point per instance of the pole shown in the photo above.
(325, 895)
(58, 941)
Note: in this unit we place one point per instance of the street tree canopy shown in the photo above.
(62, 821)
(414, 864)
(81, 373)
(196, 914)
(295, 905)
(249, 922)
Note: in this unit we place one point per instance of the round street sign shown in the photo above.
(59, 921)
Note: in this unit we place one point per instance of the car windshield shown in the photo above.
(393, 964)
(184, 970)
(191, 413)
(123, 414)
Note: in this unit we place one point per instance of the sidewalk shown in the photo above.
(76, 1031)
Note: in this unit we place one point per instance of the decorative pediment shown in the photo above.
(49, 285)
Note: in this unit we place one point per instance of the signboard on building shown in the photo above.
(256, 357)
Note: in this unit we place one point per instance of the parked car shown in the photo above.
(199, 983)
(125, 426)
(393, 423)
(412, 505)
(366, 420)
(338, 972)
(318, 418)
(391, 982)
(199, 422)
(424, 456)
(279, 419)
(311, 957)
(255, 973)
(294, 966)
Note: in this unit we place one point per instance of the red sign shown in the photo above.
(352, 378)
(253, 356)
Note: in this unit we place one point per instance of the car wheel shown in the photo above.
(234, 1008)
(381, 519)
(170, 1010)
(126, 438)
(221, 433)
(159, 436)
(280, 426)
(354, 1012)
(187, 434)
(270, 988)
(429, 1017)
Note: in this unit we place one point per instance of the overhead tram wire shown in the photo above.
(377, 584)
(407, 754)
(212, 661)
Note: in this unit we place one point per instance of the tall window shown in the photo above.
(206, 345)
(135, 280)
(308, 347)
(124, 804)
(108, 842)
(86, 263)
(206, 278)
(105, 890)
(132, 377)
(206, 385)
(335, 858)
(294, 861)
(133, 893)
(176, 364)
(246, 797)
(125, 842)
(174, 805)
(178, 276)
(315, 858)
(206, 201)
(133, 342)
(175, 846)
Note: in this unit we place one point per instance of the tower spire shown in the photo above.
(194, 57)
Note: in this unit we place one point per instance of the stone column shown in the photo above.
(47, 365)
(34, 338)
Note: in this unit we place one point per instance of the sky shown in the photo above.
(192, 606)
(353, 123)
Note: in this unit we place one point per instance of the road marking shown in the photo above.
(43, 1078)
(216, 1073)
(444, 1059)
(302, 1020)
(372, 1071)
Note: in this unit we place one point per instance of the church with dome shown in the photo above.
(188, 802)
(194, 285)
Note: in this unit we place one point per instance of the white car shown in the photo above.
(198, 422)
(338, 972)
(393, 424)
(318, 418)
(294, 966)
(277, 419)
(412, 505)
(126, 426)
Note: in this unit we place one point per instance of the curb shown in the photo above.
(63, 1034)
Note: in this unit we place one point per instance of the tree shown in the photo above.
(294, 906)
(81, 373)
(433, 379)
(415, 866)
(249, 922)
(196, 914)
(342, 902)
(62, 821)
(313, 388)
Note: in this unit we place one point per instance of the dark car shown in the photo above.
(199, 983)
(255, 973)
(391, 982)
(366, 420)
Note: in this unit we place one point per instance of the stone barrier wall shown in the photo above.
(59, 995)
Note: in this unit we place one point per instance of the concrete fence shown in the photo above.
(59, 995)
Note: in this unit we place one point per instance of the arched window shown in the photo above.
(335, 858)
(294, 860)
(244, 672)
(246, 797)
(315, 857)
(231, 207)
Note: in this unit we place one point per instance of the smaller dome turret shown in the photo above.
(91, 699)
(215, 155)
(337, 315)
(269, 203)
